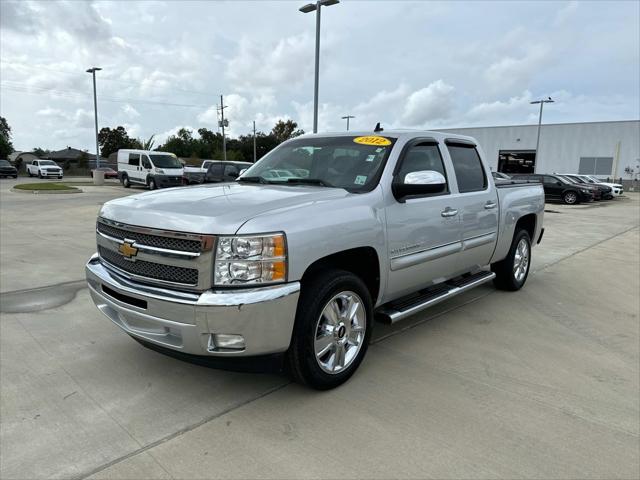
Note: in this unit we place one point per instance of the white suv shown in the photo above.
(616, 188)
(44, 169)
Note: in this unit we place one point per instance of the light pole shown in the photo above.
(347, 118)
(310, 7)
(541, 102)
(93, 71)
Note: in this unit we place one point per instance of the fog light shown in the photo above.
(227, 341)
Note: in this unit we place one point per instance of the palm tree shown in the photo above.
(147, 144)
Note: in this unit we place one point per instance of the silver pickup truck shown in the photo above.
(295, 260)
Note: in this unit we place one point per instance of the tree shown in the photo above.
(146, 144)
(285, 130)
(40, 152)
(83, 160)
(182, 144)
(6, 147)
(112, 140)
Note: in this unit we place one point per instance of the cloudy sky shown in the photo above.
(407, 64)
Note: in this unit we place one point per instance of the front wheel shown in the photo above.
(512, 272)
(39, 174)
(332, 330)
(152, 184)
(570, 198)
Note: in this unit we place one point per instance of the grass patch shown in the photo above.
(43, 186)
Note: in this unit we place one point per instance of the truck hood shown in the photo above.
(213, 208)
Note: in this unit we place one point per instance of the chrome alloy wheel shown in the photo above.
(340, 332)
(521, 260)
(571, 198)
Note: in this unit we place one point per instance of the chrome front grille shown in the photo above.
(163, 257)
(170, 243)
(156, 271)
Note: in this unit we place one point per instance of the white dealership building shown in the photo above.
(605, 149)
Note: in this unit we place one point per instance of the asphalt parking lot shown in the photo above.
(542, 383)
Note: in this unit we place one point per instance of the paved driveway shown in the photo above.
(539, 383)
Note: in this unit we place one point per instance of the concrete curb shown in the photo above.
(48, 192)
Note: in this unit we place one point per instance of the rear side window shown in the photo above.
(468, 168)
(550, 180)
(215, 169)
(134, 159)
(230, 170)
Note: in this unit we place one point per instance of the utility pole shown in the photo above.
(224, 139)
(541, 102)
(347, 117)
(254, 142)
(93, 71)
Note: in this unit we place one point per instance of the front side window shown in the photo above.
(145, 162)
(165, 161)
(352, 163)
(420, 157)
(468, 168)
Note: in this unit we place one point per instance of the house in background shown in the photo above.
(72, 157)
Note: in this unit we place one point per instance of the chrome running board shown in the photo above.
(404, 307)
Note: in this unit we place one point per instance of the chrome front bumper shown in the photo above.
(186, 322)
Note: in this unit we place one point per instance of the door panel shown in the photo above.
(423, 234)
(477, 201)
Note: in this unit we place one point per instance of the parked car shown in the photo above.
(558, 188)
(7, 170)
(108, 172)
(296, 268)
(599, 192)
(224, 171)
(150, 168)
(616, 188)
(500, 176)
(44, 169)
(196, 174)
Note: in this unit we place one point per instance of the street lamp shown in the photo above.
(541, 102)
(310, 7)
(93, 71)
(347, 118)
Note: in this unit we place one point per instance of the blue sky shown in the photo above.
(406, 64)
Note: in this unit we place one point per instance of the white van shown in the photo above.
(153, 169)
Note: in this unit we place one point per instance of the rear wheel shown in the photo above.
(126, 183)
(332, 330)
(512, 272)
(570, 198)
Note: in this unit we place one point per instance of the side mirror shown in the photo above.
(422, 182)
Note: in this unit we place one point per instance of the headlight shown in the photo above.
(250, 259)
(159, 170)
(584, 190)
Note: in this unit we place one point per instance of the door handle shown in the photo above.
(489, 205)
(449, 212)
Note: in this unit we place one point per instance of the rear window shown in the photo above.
(468, 168)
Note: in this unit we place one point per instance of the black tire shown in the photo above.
(126, 183)
(15, 176)
(316, 294)
(152, 184)
(570, 198)
(29, 173)
(506, 278)
(39, 174)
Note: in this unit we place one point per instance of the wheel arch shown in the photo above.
(361, 261)
(527, 223)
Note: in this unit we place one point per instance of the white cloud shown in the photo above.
(516, 72)
(271, 65)
(130, 111)
(430, 104)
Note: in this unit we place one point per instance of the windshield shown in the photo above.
(593, 179)
(165, 161)
(353, 163)
(4, 163)
(567, 179)
(48, 162)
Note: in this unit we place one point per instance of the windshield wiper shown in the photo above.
(309, 181)
(256, 179)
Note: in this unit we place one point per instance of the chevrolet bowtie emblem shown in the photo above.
(127, 249)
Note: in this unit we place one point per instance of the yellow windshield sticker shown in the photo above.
(373, 140)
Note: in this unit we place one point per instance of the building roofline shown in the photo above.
(535, 125)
